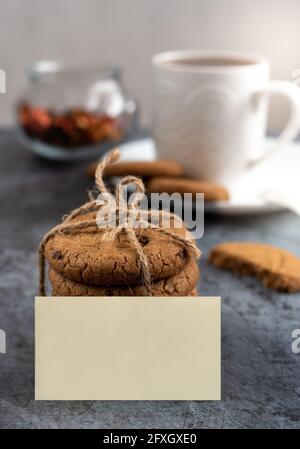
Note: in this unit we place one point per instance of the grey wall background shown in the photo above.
(128, 32)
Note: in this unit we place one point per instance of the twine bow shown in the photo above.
(122, 210)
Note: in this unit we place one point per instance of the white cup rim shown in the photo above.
(178, 56)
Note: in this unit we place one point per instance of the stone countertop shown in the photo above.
(260, 374)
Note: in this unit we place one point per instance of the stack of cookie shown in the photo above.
(85, 264)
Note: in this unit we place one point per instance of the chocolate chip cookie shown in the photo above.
(180, 284)
(88, 258)
(140, 168)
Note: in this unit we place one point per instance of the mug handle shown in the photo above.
(292, 92)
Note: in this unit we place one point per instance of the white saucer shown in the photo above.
(239, 203)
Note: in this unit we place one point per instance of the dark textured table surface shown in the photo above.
(260, 374)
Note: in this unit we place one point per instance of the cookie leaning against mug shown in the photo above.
(87, 257)
(139, 168)
(180, 284)
(275, 267)
(211, 191)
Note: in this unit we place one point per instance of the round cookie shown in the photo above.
(88, 258)
(181, 284)
(140, 168)
(211, 191)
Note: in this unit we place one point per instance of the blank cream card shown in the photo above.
(134, 348)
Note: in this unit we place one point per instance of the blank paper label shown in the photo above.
(135, 348)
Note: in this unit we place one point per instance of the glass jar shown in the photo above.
(70, 112)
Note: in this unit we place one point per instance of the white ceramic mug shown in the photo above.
(210, 110)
